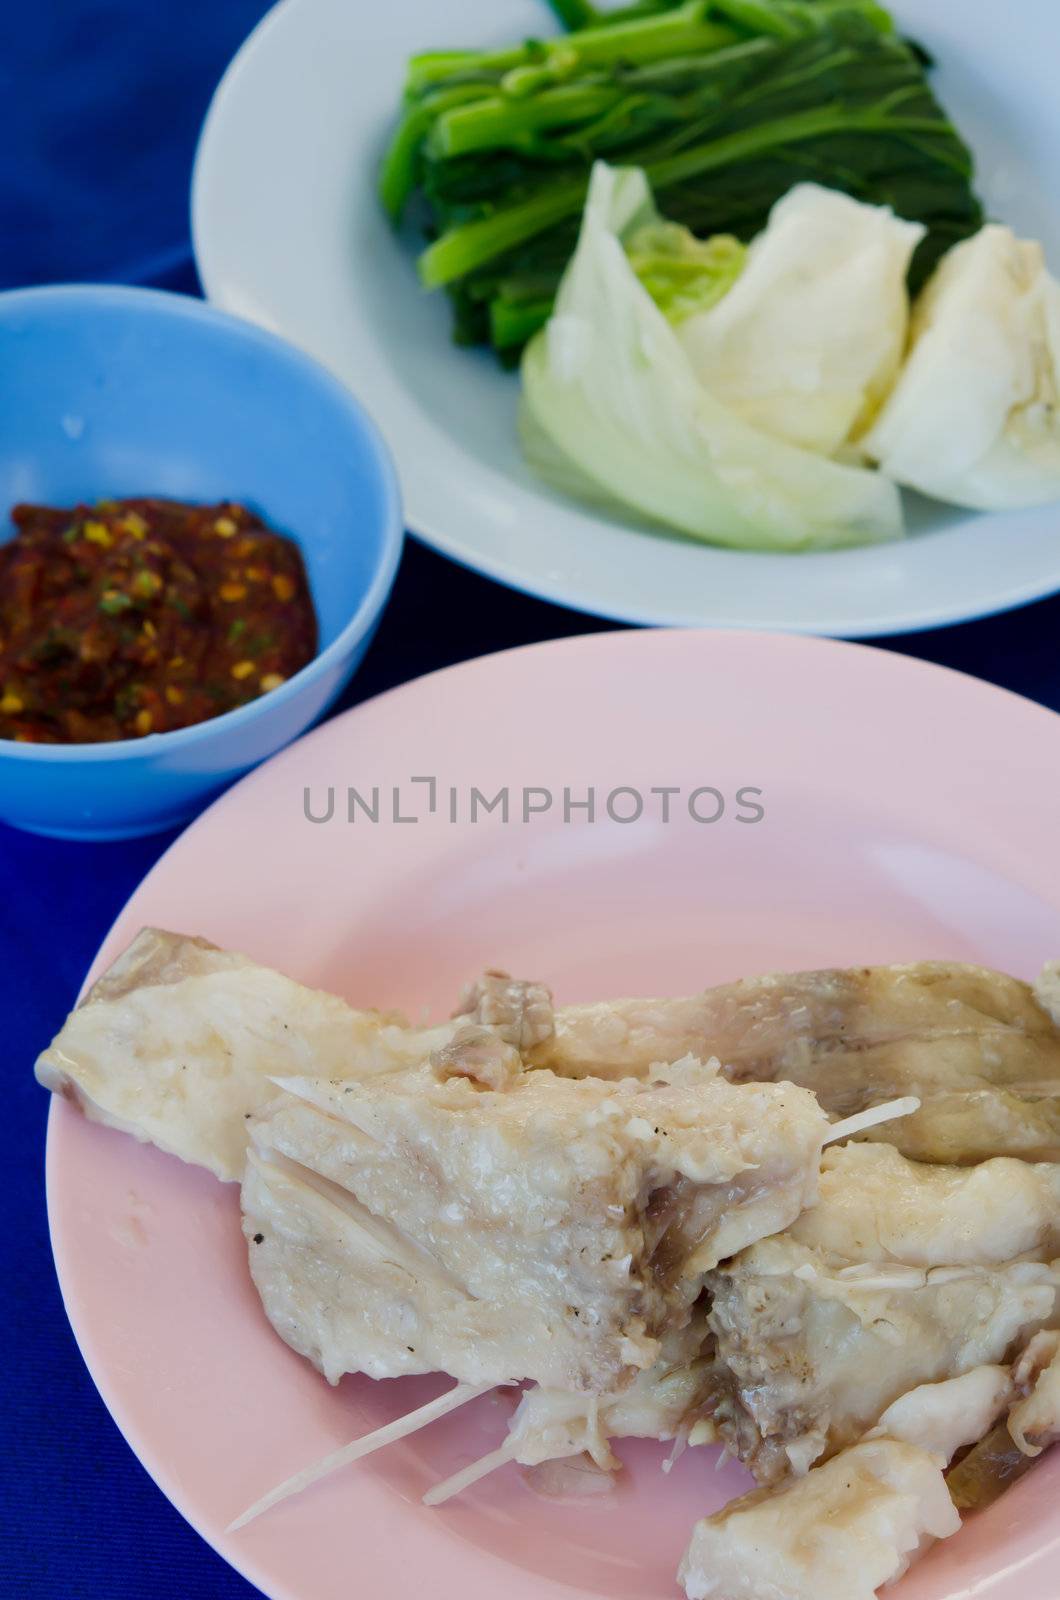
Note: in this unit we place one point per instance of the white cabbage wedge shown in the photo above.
(808, 341)
(974, 418)
(609, 384)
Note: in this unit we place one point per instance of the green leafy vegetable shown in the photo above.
(726, 104)
(574, 13)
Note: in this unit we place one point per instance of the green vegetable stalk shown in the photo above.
(574, 14)
(726, 104)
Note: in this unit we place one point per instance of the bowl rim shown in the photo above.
(169, 303)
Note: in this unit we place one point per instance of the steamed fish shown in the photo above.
(942, 1418)
(660, 1403)
(901, 1275)
(876, 1206)
(540, 1228)
(1034, 1421)
(979, 1049)
(1006, 1452)
(178, 1042)
(589, 1199)
(839, 1533)
(856, 1522)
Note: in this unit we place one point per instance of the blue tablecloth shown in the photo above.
(102, 102)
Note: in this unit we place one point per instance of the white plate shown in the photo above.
(288, 232)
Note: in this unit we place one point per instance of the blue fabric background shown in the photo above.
(100, 105)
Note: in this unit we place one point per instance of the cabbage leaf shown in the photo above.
(975, 416)
(809, 341)
(609, 384)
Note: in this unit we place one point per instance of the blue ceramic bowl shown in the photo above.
(109, 393)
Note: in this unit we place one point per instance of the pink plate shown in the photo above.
(909, 813)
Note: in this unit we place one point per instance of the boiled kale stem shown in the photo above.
(786, 19)
(657, 36)
(790, 19)
(462, 249)
(717, 100)
(470, 245)
(398, 173)
(517, 124)
(761, 17)
(577, 14)
(574, 14)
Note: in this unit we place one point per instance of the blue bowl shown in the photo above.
(110, 393)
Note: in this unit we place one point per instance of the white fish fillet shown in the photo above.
(979, 1049)
(177, 1042)
(549, 1229)
(903, 1274)
(942, 1418)
(808, 1360)
(839, 1533)
(550, 1424)
(1034, 1422)
(876, 1206)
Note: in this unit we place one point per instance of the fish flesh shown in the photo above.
(878, 1207)
(839, 1533)
(979, 1049)
(178, 1041)
(550, 1229)
(659, 1403)
(903, 1274)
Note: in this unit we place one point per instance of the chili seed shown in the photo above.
(242, 669)
(11, 704)
(283, 587)
(233, 591)
(144, 721)
(225, 527)
(271, 680)
(146, 584)
(98, 533)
